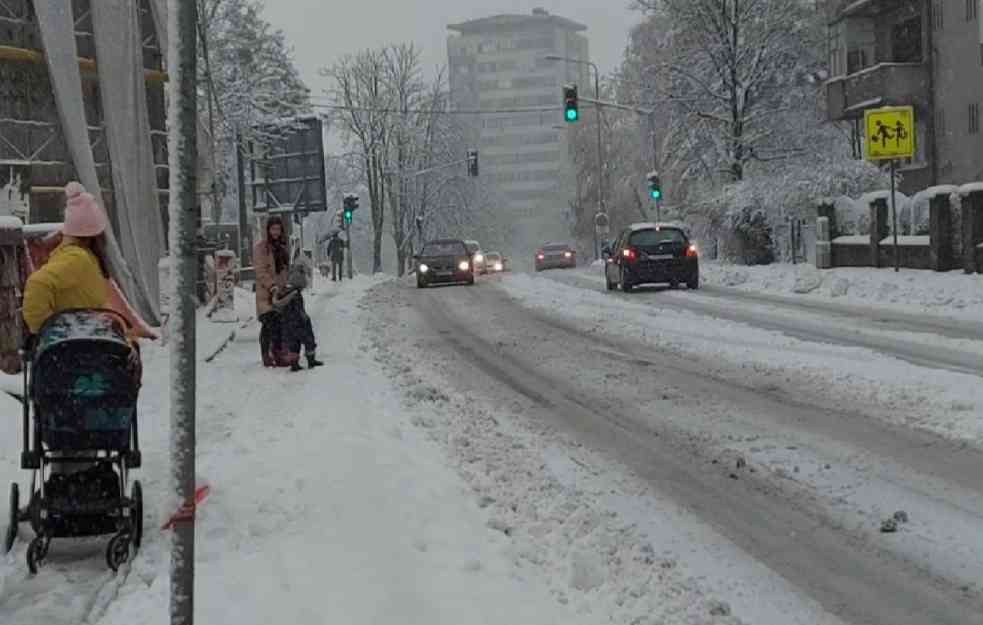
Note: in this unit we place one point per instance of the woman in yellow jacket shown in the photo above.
(76, 274)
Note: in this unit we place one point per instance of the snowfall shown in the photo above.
(342, 495)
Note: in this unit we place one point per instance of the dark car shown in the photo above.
(444, 261)
(556, 256)
(651, 254)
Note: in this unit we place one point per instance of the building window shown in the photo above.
(974, 118)
(856, 60)
(938, 17)
(907, 41)
(971, 10)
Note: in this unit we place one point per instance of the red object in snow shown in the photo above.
(187, 511)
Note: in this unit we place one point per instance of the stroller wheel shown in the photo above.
(118, 551)
(37, 551)
(136, 514)
(11, 534)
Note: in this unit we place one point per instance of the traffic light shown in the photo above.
(473, 163)
(655, 186)
(350, 206)
(570, 112)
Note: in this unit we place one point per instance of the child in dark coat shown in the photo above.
(297, 328)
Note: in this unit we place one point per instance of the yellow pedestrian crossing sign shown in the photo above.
(889, 133)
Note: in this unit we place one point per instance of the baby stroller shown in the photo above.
(80, 409)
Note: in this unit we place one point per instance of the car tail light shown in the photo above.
(567, 254)
(540, 256)
(691, 250)
(629, 253)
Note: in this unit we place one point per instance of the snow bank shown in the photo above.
(952, 293)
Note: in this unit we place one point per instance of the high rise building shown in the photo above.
(499, 63)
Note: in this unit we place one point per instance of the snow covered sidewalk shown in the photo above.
(951, 294)
(327, 505)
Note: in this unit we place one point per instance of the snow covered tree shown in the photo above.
(247, 79)
(400, 125)
(740, 73)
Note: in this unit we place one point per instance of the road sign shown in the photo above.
(889, 133)
(287, 171)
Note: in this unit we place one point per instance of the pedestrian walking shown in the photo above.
(298, 331)
(336, 251)
(271, 260)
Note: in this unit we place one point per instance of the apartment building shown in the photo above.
(498, 63)
(924, 53)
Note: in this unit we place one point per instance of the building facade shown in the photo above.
(499, 64)
(923, 53)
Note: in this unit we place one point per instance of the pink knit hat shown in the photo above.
(83, 216)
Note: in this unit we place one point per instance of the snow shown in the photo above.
(10, 223)
(907, 240)
(328, 505)
(853, 239)
(950, 294)
(972, 187)
(898, 392)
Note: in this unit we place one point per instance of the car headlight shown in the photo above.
(478, 258)
(464, 266)
(498, 266)
(424, 269)
(567, 254)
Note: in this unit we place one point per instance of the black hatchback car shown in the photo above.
(444, 261)
(649, 253)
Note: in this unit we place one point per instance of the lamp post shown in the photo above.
(600, 154)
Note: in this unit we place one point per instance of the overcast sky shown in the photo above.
(323, 30)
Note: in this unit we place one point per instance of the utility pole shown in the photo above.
(184, 208)
(245, 249)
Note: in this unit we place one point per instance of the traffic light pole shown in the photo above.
(348, 239)
(600, 154)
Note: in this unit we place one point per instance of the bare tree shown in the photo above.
(364, 100)
(739, 71)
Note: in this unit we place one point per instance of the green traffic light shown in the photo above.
(348, 216)
(656, 194)
(571, 115)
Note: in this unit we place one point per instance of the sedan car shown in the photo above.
(444, 261)
(477, 257)
(556, 256)
(648, 253)
(494, 262)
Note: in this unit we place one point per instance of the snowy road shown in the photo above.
(797, 485)
(924, 340)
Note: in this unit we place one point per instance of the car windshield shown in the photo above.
(445, 248)
(654, 238)
(556, 247)
(494, 257)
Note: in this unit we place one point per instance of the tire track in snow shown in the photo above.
(854, 579)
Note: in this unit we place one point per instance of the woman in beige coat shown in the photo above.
(271, 259)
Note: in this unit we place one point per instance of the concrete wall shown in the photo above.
(850, 255)
(912, 256)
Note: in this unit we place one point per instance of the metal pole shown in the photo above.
(184, 205)
(600, 153)
(894, 217)
(348, 237)
(245, 253)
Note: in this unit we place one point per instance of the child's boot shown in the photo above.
(312, 361)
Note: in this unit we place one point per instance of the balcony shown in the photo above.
(884, 84)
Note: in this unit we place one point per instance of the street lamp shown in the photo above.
(600, 154)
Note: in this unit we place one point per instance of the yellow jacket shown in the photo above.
(70, 279)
